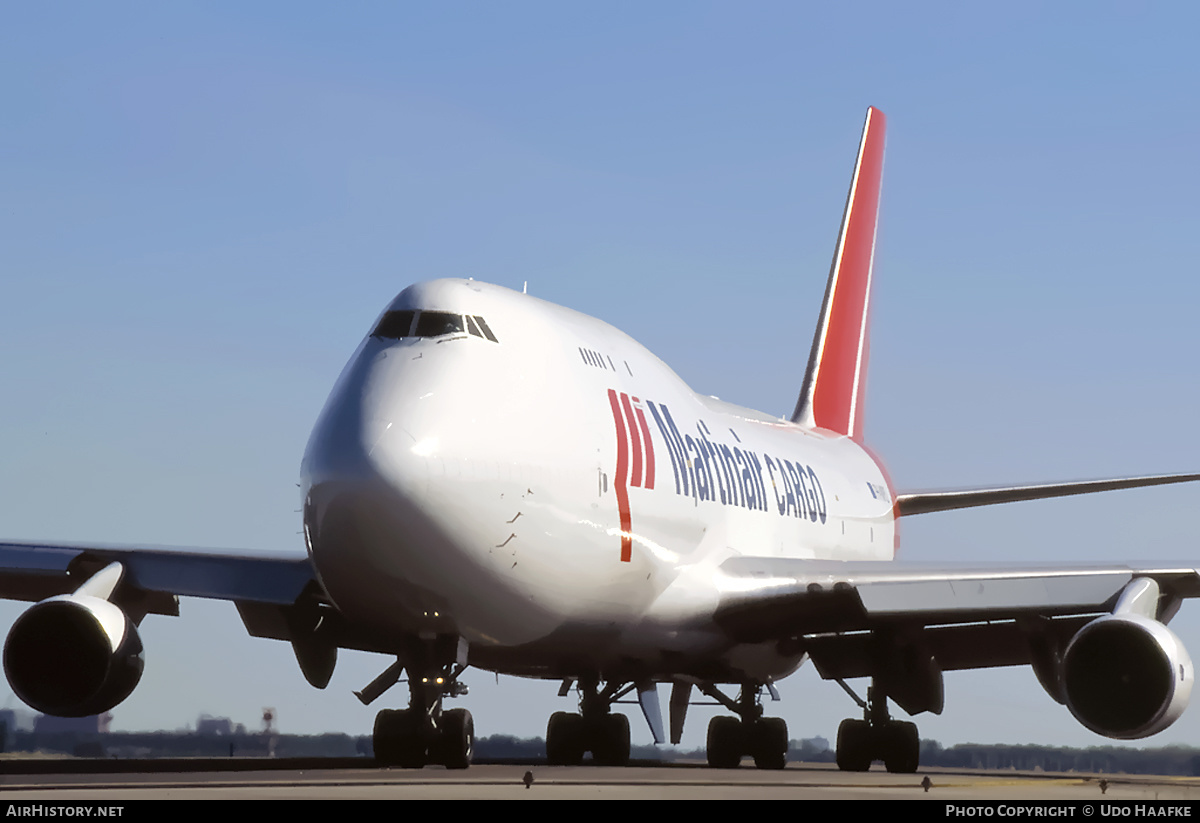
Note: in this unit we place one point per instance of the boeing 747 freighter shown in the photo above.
(499, 482)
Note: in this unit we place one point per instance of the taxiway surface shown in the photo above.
(506, 782)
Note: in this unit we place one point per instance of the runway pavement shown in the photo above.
(639, 782)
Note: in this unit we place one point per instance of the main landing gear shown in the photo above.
(877, 737)
(731, 738)
(424, 733)
(595, 728)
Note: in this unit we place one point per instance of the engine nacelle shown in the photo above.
(73, 656)
(1126, 676)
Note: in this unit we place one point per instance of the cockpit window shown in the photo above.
(397, 325)
(486, 331)
(434, 323)
(394, 325)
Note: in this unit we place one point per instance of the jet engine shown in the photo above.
(73, 655)
(1126, 676)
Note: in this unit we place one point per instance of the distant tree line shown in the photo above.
(138, 745)
(1180, 760)
(1175, 760)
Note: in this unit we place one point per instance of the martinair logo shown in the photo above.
(635, 460)
(706, 469)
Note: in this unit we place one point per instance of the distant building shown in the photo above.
(217, 726)
(11, 722)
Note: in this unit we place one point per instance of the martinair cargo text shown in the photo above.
(503, 483)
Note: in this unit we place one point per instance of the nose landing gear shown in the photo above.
(424, 733)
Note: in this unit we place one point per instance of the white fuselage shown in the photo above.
(558, 496)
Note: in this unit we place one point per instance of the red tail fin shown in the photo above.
(832, 395)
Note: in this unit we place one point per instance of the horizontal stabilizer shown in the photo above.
(944, 501)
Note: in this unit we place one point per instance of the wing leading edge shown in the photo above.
(94, 597)
(155, 575)
(903, 625)
(773, 597)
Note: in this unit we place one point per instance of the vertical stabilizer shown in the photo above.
(832, 395)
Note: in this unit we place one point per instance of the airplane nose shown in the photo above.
(355, 417)
(369, 431)
(364, 480)
(356, 448)
(405, 504)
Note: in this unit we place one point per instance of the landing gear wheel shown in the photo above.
(725, 742)
(899, 746)
(384, 738)
(895, 742)
(854, 746)
(564, 739)
(457, 741)
(768, 742)
(610, 746)
(397, 741)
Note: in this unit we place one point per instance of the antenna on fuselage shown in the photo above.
(525, 288)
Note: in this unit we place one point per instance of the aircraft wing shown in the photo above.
(902, 622)
(153, 576)
(77, 586)
(277, 595)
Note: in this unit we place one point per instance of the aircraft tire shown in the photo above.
(768, 742)
(383, 738)
(611, 744)
(854, 746)
(412, 752)
(725, 742)
(564, 739)
(899, 746)
(396, 742)
(457, 742)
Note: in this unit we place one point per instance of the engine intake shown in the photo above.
(73, 656)
(1126, 676)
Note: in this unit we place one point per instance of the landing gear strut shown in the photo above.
(424, 733)
(877, 737)
(594, 729)
(730, 738)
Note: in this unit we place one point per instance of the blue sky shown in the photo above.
(205, 205)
